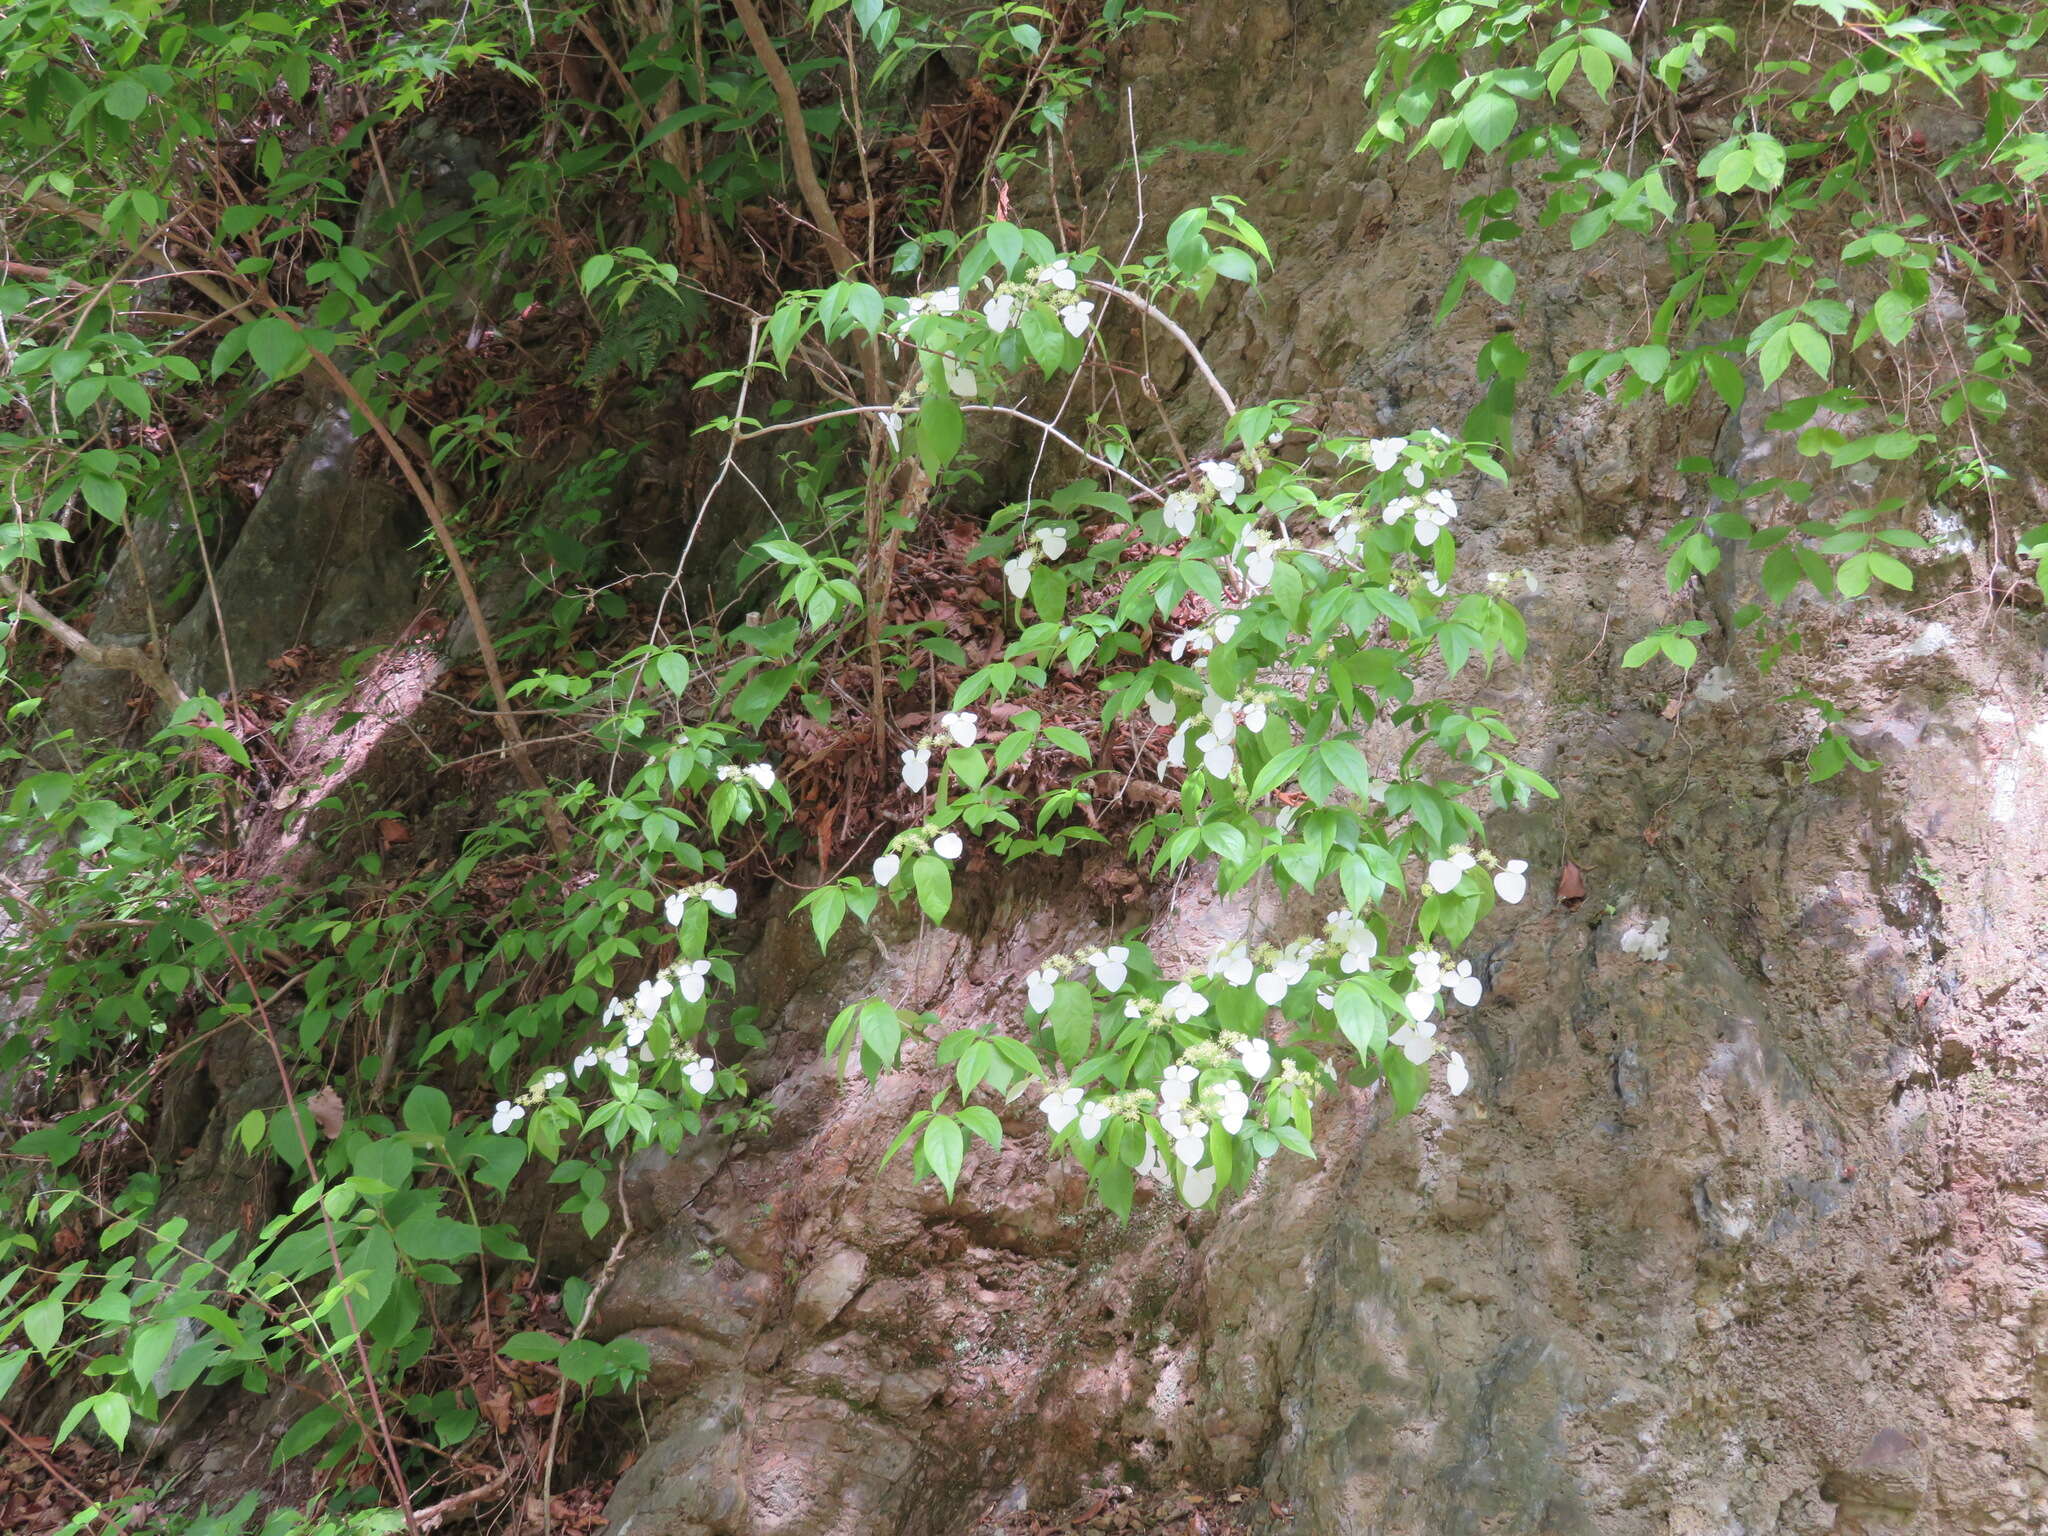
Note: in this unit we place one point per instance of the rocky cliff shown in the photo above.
(1742, 1228)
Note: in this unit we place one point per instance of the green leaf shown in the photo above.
(429, 1237)
(983, 1123)
(596, 270)
(1007, 242)
(1490, 118)
(275, 345)
(933, 881)
(1071, 1018)
(308, 1432)
(114, 1414)
(44, 1323)
(531, 1346)
(940, 430)
(944, 1149)
(426, 1111)
(127, 98)
(1893, 313)
(1185, 247)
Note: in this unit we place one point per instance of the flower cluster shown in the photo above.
(758, 773)
(1048, 542)
(1055, 283)
(960, 728)
(1432, 511)
(1510, 879)
(1220, 719)
(947, 845)
(628, 1021)
(1204, 638)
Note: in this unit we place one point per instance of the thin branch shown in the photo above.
(1172, 328)
(119, 658)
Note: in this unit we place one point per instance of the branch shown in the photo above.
(1187, 342)
(118, 658)
(799, 137)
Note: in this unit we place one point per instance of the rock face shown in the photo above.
(1743, 1229)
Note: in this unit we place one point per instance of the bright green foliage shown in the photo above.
(1800, 239)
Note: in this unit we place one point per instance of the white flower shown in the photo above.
(945, 302)
(1421, 1004)
(1253, 715)
(1176, 754)
(960, 379)
(886, 868)
(1275, 984)
(1176, 1085)
(1415, 1040)
(1017, 573)
(1258, 567)
(690, 979)
(1038, 987)
(1197, 1185)
(1093, 1117)
(917, 768)
(1511, 883)
(674, 908)
(1224, 478)
(1188, 1145)
(1231, 1106)
(1357, 941)
(1059, 274)
(702, 1073)
(1179, 513)
(1184, 1003)
(1257, 1057)
(584, 1061)
(1061, 1108)
(1447, 872)
(1456, 1076)
(1463, 985)
(1161, 710)
(1386, 452)
(1149, 1166)
(1217, 756)
(1223, 626)
(1074, 316)
(1415, 475)
(1000, 311)
(947, 845)
(1233, 965)
(615, 1058)
(1429, 967)
(1051, 540)
(1110, 966)
(962, 725)
(506, 1115)
(721, 900)
(892, 423)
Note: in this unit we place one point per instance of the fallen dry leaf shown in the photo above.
(329, 1113)
(1571, 887)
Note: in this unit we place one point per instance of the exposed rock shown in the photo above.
(1739, 1231)
(824, 1292)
